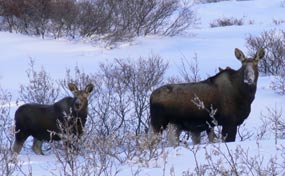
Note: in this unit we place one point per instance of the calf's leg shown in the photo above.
(196, 137)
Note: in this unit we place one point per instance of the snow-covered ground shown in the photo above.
(214, 48)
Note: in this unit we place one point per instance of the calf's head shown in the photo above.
(80, 96)
(250, 65)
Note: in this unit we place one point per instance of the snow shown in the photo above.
(214, 48)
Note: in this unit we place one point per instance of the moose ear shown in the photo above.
(260, 54)
(72, 87)
(89, 88)
(239, 55)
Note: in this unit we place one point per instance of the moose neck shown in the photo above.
(81, 114)
(247, 90)
(80, 120)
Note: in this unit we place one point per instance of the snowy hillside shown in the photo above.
(214, 48)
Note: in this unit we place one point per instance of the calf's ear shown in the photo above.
(89, 88)
(239, 55)
(73, 88)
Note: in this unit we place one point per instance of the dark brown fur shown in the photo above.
(39, 120)
(227, 92)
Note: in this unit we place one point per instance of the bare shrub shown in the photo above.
(184, 19)
(68, 157)
(146, 150)
(188, 71)
(122, 96)
(113, 101)
(276, 122)
(274, 43)
(64, 17)
(40, 88)
(80, 154)
(221, 159)
(213, 1)
(221, 22)
(130, 147)
(264, 130)
(199, 169)
(6, 124)
(278, 21)
(8, 12)
(278, 84)
(111, 21)
(243, 133)
(104, 155)
(86, 154)
(31, 15)
(150, 17)
(8, 162)
(95, 18)
(273, 123)
(208, 1)
(144, 76)
(38, 17)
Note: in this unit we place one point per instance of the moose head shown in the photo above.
(250, 65)
(80, 96)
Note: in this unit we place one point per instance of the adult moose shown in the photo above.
(42, 121)
(230, 92)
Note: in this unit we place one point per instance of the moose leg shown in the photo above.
(173, 133)
(154, 136)
(37, 146)
(211, 135)
(17, 146)
(20, 139)
(229, 133)
(196, 137)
